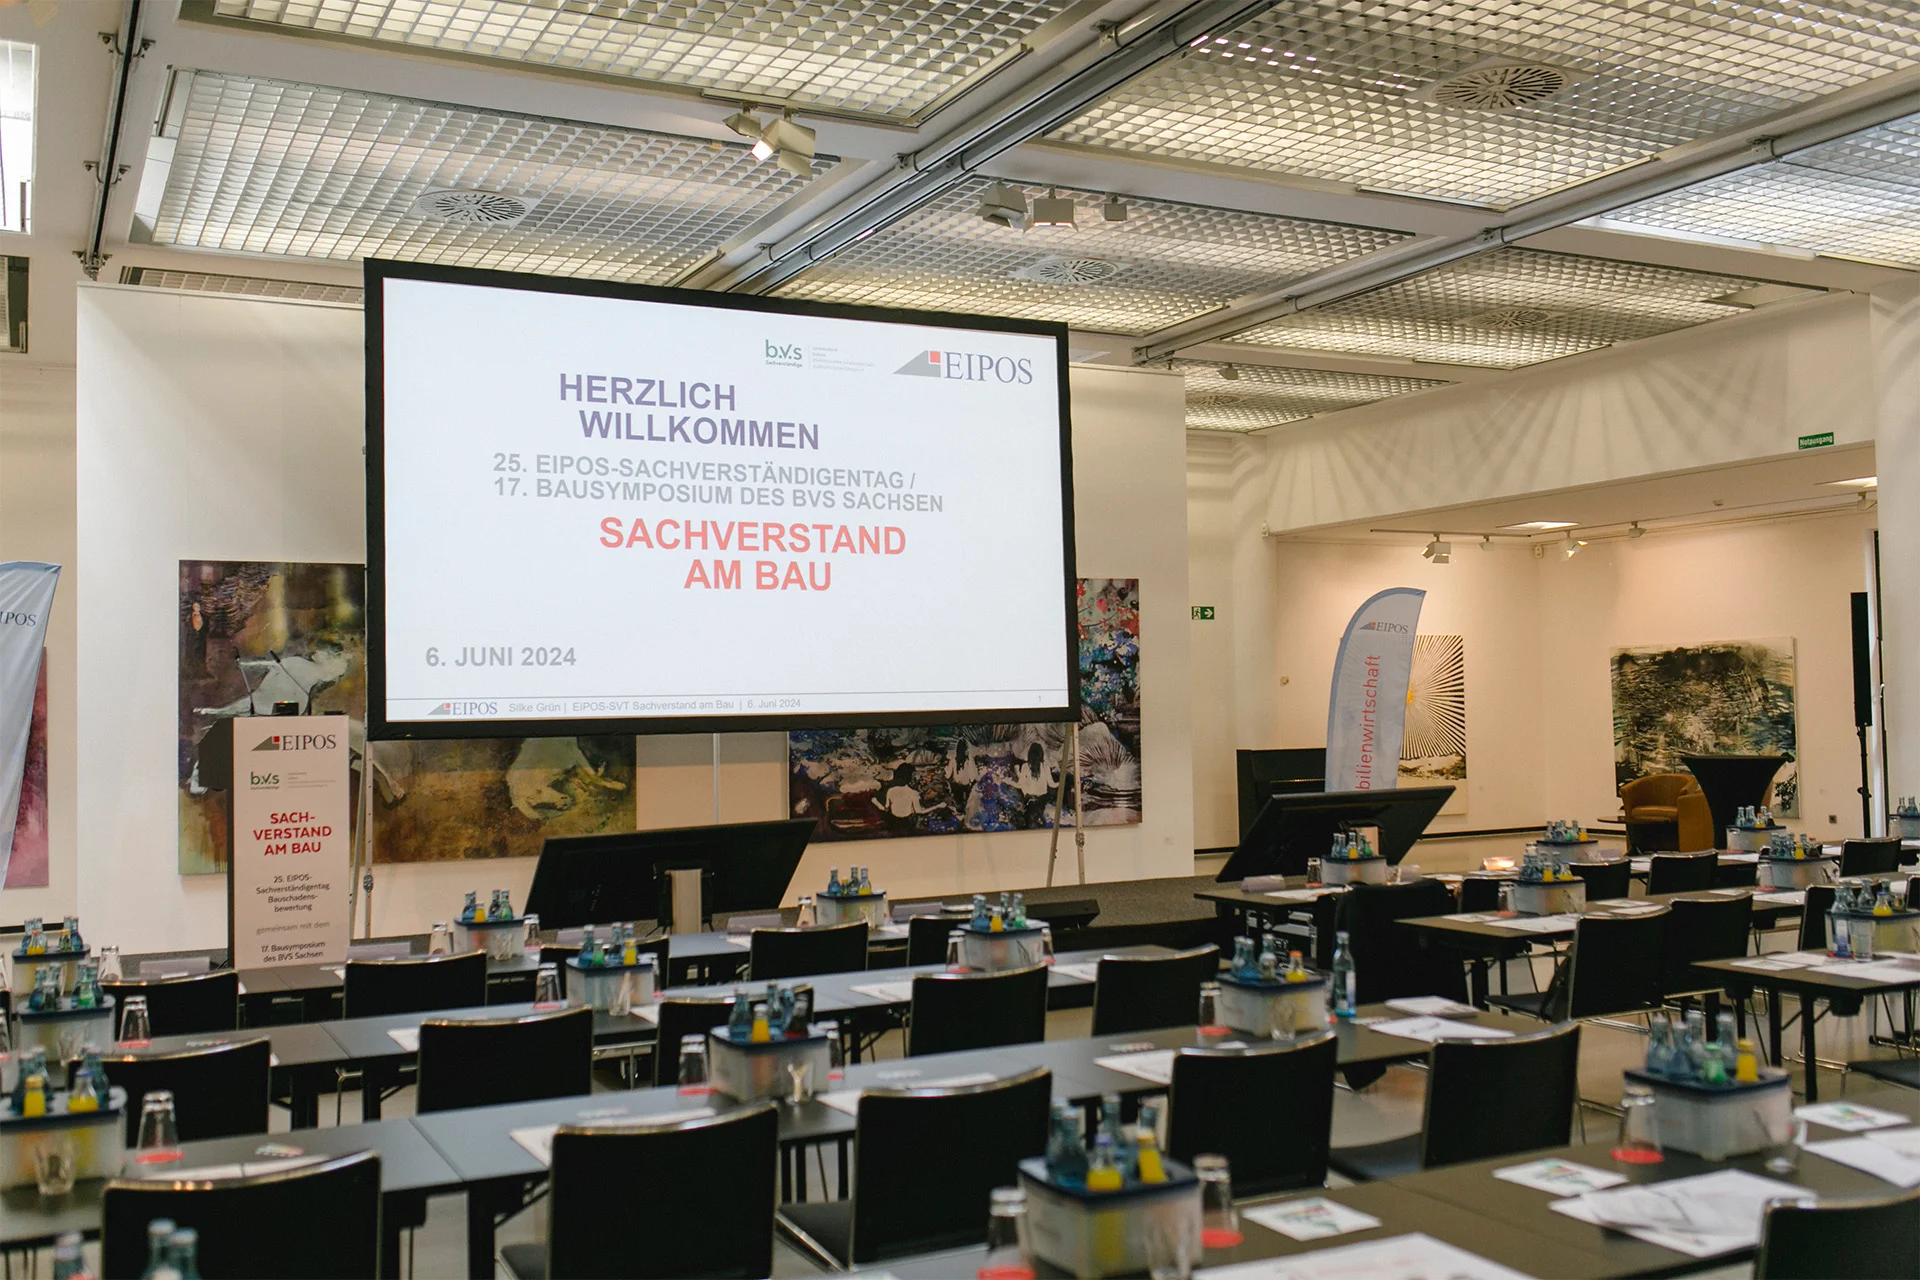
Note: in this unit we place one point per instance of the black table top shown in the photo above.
(1805, 980)
(297, 1044)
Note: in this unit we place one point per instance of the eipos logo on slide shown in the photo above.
(466, 709)
(298, 742)
(968, 366)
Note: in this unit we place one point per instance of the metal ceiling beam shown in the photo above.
(1055, 97)
(1835, 116)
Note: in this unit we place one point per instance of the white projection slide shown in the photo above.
(593, 508)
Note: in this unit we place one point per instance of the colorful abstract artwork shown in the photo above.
(253, 634)
(867, 784)
(1732, 697)
(28, 868)
(496, 797)
(1433, 750)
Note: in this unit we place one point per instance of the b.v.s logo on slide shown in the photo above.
(968, 366)
(789, 356)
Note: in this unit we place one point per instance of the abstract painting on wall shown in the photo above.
(28, 868)
(496, 797)
(1433, 751)
(864, 784)
(1733, 697)
(253, 634)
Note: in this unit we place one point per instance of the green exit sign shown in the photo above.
(1203, 613)
(1816, 440)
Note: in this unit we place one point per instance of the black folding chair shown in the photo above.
(927, 937)
(1869, 857)
(1612, 969)
(1867, 1238)
(682, 1016)
(1604, 879)
(1485, 1098)
(1140, 993)
(1388, 959)
(484, 1061)
(188, 1006)
(415, 984)
(925, 1162)
(1702, 929)
(219, 1090)
(800, 953)
(320, 1221)
(954, 1011)
(694, 1197)
(1480, 893)
(1271, 1145)
(1682, 872)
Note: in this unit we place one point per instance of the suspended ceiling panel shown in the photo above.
(1856, 198)
(892, 60)
(1510, 307)
(1339, 89)
(263, 166)
(1164, 263)
(1267, 396)
(245, 286)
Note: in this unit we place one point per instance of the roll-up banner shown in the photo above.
(291, 828)
(1367, 712)
(26, 598)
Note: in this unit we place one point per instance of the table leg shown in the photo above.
(1807, 1012)
(1477, 982)
(303, 1099)
(480, 1264)
(372, 1081)
(844, 1192)
(1774, 1048)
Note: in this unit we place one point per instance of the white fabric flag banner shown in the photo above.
(26, 598)
(1367, 712)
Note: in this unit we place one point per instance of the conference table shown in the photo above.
(1840, 984)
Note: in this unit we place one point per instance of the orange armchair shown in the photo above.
(1656, 797)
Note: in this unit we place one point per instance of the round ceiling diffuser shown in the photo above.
(1063, 269)
(1508, 318)
(469, 208)
(1499, 86)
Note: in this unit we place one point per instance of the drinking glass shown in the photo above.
(1860, 938)
(693, 1066)
(1170, 1246)
(1046, 944)
(1008, 1255)
(801, 1075)
(1506, 897)
(159, 1135)
(1784, 1156)
(1209, 1029)
(135, 1030)
(110, 964)
(955, 962)
(546, 987)
(1639, 1127)
(530, 938)
(1219, 1222)
(1313, 872)
(54, 1165)
(836, 1063)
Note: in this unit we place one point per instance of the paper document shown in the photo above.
(848, 1100)
(337, 970)
(210, 1172)
(1701, 1216)
(1086, 971)
(1904, 1141)
(407, 1038)
(1848, 1117)
(1475, 917)
(1765, 964)
(889, 992)
(1644, 909)
(1432, 1029)
(1311, 1218)
(1750, 856)
(1302, 895)
(1869, 971)
(1155, 1066)
(1542, 924)
(1408, 1257)
(1871, 1157)
(647, 1012)
(1559, 1177)
(740, 940)
(1433, 1006)
(1783, 898)
(538, 1140)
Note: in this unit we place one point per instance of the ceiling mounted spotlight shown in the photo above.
(1437, 551)
(1053, 210)
(744, 122)
(784, 135)
(1571, 547)
(761, 149)
(1635, 531)
(1003, 206)
(1114, 210)
(794, 163)
(1230, 373)
(1486, 542)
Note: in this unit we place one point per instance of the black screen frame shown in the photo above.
(380, 728)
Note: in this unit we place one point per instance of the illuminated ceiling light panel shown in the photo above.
(1537, 526)
(1858, 197)
(1165, 263)
(892, 60)
(245, 286)
(1268, 396)
(1508, 308)
(1332, 89)
(264, 166)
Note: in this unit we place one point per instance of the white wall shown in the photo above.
(229, 428)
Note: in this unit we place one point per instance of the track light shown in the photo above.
(1486, 542)
(1053, 210)
(784, 135)
(794, 163)
(1571, 547)
(762, 149)
(788, 145)
(1437, 551)
(744, 122)
(1635, 531)
(1114, 210)
(1230, 373)
(1003, 206)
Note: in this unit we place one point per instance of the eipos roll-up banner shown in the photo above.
(291, 831)
(26, 598)
(1367, 712)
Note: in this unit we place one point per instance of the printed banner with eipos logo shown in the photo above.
(1366, 714)
(292, 835)
(26, 598)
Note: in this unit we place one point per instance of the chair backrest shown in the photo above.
(321, 1221)
(219, 1089)
(978, 1010)
(417, 984)
(683, 1016)
(482, 1062)
(1139, 993)
(188, 1006)
(1870, 1238)
(1604, 879)
(1697, 828)
(1682, 872)
(1738, 875)
(1869, 857)
(692, 1198)
(801, 953)
(1480, 893)
(927, 1160)
(1813, 917)
(1268, 1110)
(927, 937)
(1388, 960)
(1659, 789)
(1702, 929)
(1488, 1098)
(1613, 967)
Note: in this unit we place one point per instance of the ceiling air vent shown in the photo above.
(1499, 86)
(466, 208)
(1062, 269)
(1508, 318)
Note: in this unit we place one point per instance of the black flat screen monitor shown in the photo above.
(602, 879)
(1293, 828)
